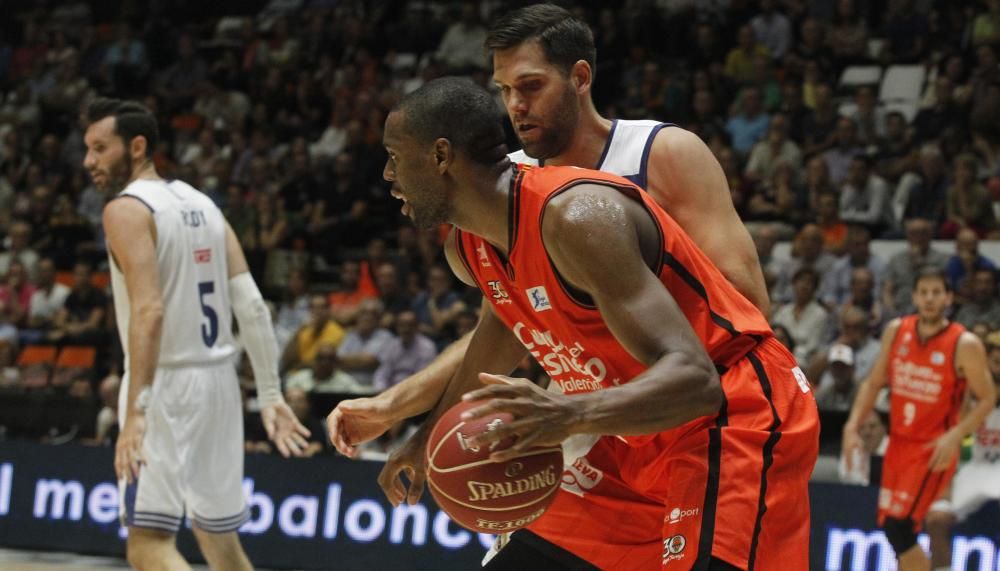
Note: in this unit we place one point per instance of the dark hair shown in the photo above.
(132, 120)
(456, 109)
(806, 272)
(564, 39)
(931, 272)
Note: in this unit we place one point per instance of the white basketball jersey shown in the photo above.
(194, 277)
(986, 447)
(626, 151)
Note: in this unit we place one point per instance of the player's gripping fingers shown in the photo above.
(416, 475)
(388, 480)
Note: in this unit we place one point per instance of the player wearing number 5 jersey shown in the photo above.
(927, 362)
(178, 276)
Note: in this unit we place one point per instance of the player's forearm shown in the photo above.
(976, 416)
(677, 389)
(863, 405)
(258, 338)
(419, 393)
(144, 331)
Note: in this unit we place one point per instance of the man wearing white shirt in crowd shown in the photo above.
(410, 352)
(864, 197)
(17, 247)
(324, 376)
(359, 352)
(804, 318)
(49, 297)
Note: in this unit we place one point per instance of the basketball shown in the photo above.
(482, 495)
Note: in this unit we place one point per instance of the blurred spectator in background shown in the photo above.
(868, 116)
(836, 392)
(47, 301)
(772, 151)
(739, 60)
(864, 197)
(848, 34)
(864, 295)
(438, 306)
(807, 252)
(805, 319)
(967, 203)
(320, 330)
(293, 312)
(772, 29)
(408, 353)
(964, 263)
(355, 287)
(828, 219)
(325, 375)
(81, 320)
(903, 266)
(854, 332)
(820, 126)
(836, 284)
(748, 122)
(843, 150)
(984, 306)
(461, 47)
(106, 428)
(923, 192)
(15, 295)
(391, 292)
(364, 343)
(17, 247)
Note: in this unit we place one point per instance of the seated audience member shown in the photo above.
(804, 317)
(355, 287)
(48, 299)
(15, 295)
(903, 267)
(776, 149)
(106, 428)
(922, 192)
(836, 283)
(967, 203)
(845, 148)
(833, 227)
(325, 375)
(837, 391)
(965, 261)
(438, 306)
(863, 295)
(984, 306)
(854, 332)
(807, 252)
(408, 353)
(293, 312)
(364, 343)
(10, 374)
(80, 321)
(864, 197)
(320, 330)
(391, 292)
(18, 247)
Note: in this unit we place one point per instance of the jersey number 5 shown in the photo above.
(210, 330)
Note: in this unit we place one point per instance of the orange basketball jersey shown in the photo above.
(926, 391)
(565, 332)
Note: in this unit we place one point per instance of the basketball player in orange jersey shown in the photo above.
(543, 61)
(927, 361)
(705, 412)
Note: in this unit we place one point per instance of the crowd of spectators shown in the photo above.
(275, 111)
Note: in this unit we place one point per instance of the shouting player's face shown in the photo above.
(107, 160)
(411, 167)
(540, 99)
(931, 298)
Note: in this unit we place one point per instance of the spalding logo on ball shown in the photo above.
(482, 495)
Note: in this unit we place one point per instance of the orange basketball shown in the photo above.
(482, 495)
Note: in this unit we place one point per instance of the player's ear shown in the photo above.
(444, 154)
(582, 76)
(137, 147)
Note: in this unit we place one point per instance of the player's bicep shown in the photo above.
(600, 253)
(129, 228)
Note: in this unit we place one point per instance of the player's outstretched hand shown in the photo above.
(284, 429)
(128, 449)
(408, 459)
(356, 421)
(541, 417)
(946, 447)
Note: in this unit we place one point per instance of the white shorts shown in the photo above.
(193, 451)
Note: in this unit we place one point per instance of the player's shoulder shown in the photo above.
(677, 143)
(892, 328)
(969, 341)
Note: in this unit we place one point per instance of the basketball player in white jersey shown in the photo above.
(543, 60)
(178, 276)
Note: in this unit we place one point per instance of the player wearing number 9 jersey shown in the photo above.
(927, 362)
(179, 275)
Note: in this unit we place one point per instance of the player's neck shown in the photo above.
(144, 171)
(927, 327)
(483, 211)
(589, 140)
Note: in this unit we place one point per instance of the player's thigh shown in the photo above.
(212, 430)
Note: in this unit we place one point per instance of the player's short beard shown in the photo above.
(431, 212)
(559, 132)
(119, 174)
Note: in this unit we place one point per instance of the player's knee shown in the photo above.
(142, 548)
(900, 534)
